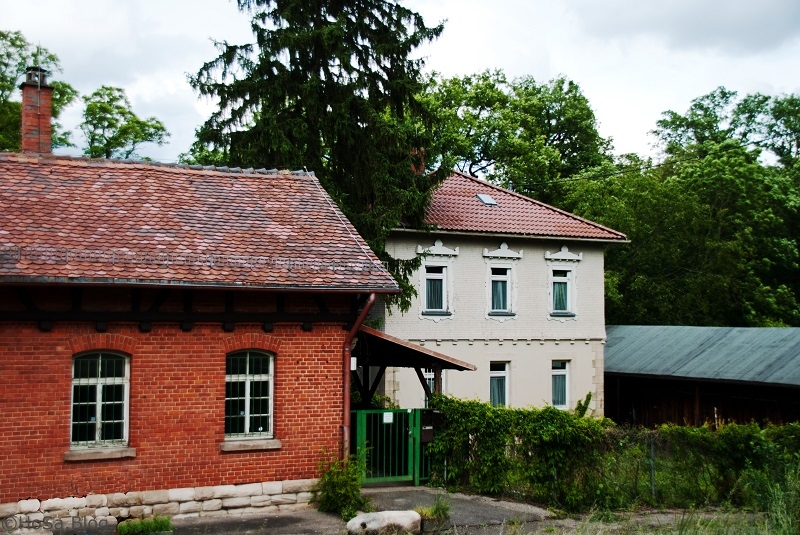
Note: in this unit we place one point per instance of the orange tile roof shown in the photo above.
(456, 207)
(98, 221)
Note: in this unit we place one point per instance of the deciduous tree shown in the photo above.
(16, 55)
(111, 128)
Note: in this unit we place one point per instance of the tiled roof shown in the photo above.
(456, 207)
(98, 221)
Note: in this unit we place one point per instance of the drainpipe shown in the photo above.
(346, 361)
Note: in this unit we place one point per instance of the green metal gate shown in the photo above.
(393, 442)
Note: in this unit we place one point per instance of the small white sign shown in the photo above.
(388, 417)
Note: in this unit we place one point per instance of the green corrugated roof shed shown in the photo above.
(768, 355)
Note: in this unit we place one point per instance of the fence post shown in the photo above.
(652, 466)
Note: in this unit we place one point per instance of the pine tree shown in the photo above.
(330, 86)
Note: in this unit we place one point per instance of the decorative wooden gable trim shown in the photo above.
(437, 249)
(502, 252)
(563, 255)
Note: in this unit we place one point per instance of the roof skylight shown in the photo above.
(487, 199)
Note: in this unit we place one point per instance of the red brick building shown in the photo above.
(173, 339)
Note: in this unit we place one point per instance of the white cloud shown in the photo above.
(633, 59)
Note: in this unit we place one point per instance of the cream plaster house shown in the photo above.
(511, 285)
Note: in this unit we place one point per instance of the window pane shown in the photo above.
(83, 432)
(434, 294)
(113, 393)
(259, 365)
(499, 295)
(434, 269)
(497, 391)
(259, 424)
(112, 366)
(111, 431)
(84, 394)
(236, 364)
(560, 296)
(559, 390)
(85, 367)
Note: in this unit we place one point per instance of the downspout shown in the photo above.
(346, 365)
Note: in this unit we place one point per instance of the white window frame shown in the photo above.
(443, 276)
(436, 255)
(562, 260)
(504, 373)
(560, 373)
(248, 379)
(502, 258)
(557, 278)
(428, 375)
(101, 383)
(508, 278)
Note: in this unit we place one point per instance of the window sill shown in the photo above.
(563, 314)
(261, 444)
(501, 313)
(99, 454)
(436, 313)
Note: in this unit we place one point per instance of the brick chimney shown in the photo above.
(36, 111)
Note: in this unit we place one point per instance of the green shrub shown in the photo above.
(339, 487)
(141, 526)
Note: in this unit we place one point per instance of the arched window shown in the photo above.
(248, 394)
(100, 399)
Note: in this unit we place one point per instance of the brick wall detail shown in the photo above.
(177, 407)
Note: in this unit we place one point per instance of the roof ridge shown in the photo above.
(22, 157)
(540, 203)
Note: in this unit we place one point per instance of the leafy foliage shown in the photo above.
(339, 487)
(332, 87)
(576, 463)
(16, 55)
(111, 128)
(520, 134)
(143, 526)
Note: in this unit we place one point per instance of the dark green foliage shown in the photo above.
(143, 526)
(577, 463)
(331, 87)
(339, 487)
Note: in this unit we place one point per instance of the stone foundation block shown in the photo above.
(298, 485)
(284, 499)
(250, 489)
(191, 507)
(29, 506)
(181, 495)
(203, 493)
(137, 511)
(225, 491)
(101, 511)
(304, 497)
(9, 509)
(96, 500)
(182, 516)
(272, 487)
(214, 514)
(260, 501)
(212, 505)
(63, 503)
(171, 508)
(152, 497)
(233, 503)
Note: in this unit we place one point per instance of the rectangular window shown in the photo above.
(500, 290)
(561, 279)
(100, 400)
(248, 394)
(560, 382)
(435, 288)
(498, 383)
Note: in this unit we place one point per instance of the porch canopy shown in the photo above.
(380, 350)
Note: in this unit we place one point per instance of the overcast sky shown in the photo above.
(632, 58)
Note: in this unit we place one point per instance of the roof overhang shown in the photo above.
(381, 349)
(509, 235)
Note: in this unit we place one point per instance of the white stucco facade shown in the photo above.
(533, 330)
